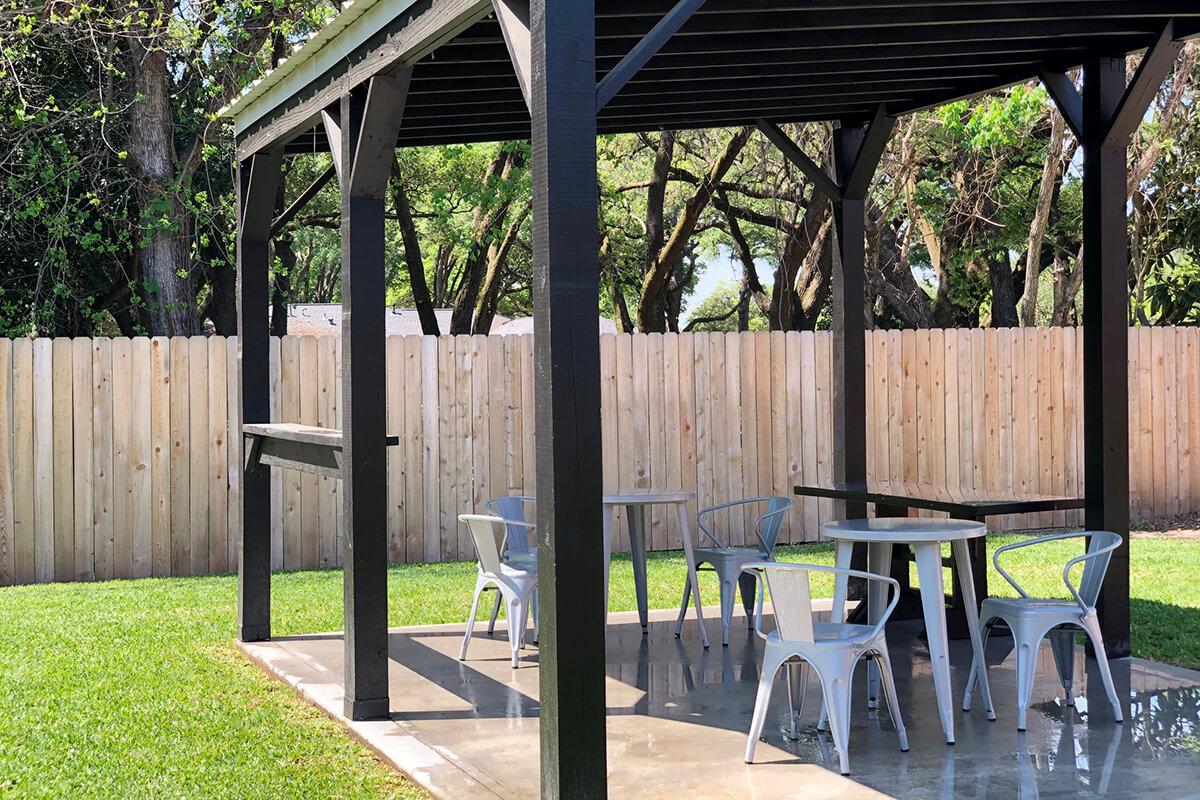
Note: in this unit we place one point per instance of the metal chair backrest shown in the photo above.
(485, 532)
(791, 596)
(512, 507)
(1095, 564)
(766, 525)
(769, 524)
(1100, 545)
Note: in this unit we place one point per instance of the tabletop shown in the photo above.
(911, 494)
(903, 530)
(647, 498)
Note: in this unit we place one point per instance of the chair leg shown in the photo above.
(687, 595)
(797, 686)
(748, 585)
(727, 596)
(495, 614)
(889, 694)
(973, 675)
(1026, 640)
(1091, 624)
(517, 610)
(766, 682)
(462, 653)
(836, 678)
(1062, 644)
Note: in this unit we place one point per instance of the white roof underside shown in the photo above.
(354, 25)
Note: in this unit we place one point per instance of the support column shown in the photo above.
(849, 323)
(365, 132)
(258, 178)
(1106, 337)
(566, 294)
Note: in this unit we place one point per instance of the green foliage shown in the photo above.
(718, 302)
(76, 211)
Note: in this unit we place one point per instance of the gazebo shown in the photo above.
(385, 74)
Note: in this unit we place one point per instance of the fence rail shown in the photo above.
(117, 456)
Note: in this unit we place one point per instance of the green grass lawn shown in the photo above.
(135, 688)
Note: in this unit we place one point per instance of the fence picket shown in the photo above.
(103, 528)
(23, 467)
(121, 458)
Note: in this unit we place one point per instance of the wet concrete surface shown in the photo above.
(678, 716)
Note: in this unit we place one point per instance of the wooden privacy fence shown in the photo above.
(116, 456)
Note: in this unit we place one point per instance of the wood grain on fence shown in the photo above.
(119, 458)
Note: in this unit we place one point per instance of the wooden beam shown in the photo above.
(866, 158)
(1066, 98)
(848, 298)
(1156, 64)
(792, 152)
(644, 50)
(258, 180)
(566, 364)
(376, 147)
(1106, 338)
(368, 125)
(405, 40)
(513, 18)
(304, 199)
(333, 135)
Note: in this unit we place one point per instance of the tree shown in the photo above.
(727, 308)
(114, 120)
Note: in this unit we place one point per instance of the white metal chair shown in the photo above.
(517, 551)
(831, 649)
(517, 586)
(1030, 619)
(727, 562)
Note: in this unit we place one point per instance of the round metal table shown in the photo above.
(635, 504)
(925, 536)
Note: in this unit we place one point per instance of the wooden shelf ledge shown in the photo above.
(306, 448)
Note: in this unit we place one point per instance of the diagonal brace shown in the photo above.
(376, 146)
(1066, 97)
(792, 152)
(305, 197)
(866, 160)
(1118, 129)
(513, 17)
(855, 169)
(644, 50)
(1155, 66)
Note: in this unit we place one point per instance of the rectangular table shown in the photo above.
(896, 499)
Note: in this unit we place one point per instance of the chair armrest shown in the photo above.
(1080, 559)
(1054, 537)
(704, 529)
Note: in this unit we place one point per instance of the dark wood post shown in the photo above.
(366, 130)
(849, 322)
(1106, 337)
(258, 178)
(566, 295)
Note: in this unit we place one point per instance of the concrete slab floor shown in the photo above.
(678, 717)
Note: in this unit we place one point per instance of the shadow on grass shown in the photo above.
(1165, 632)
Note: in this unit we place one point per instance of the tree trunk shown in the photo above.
(650, 317)
(489, 293)
(486, 221)
(164, 255)
(1047, 192)
(413, 260)
(1004, 291)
